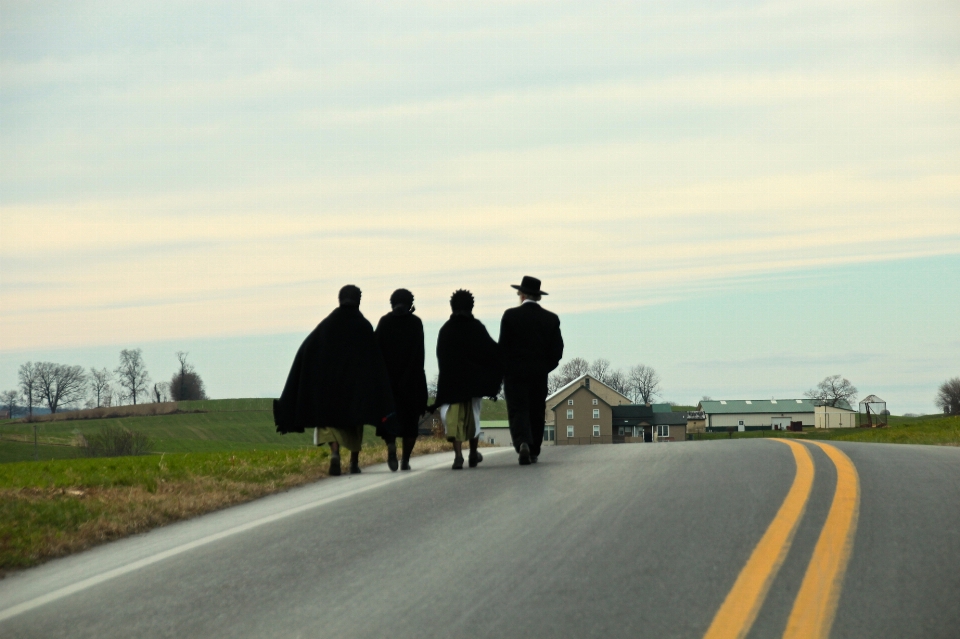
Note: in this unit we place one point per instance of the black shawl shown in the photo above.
(400, 337)
(338, 378)
(469, 361)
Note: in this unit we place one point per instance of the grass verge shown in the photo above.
(53, 508)
(928, 429)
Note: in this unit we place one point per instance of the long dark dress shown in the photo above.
(338, 379)
(469, 361)
(400, 336)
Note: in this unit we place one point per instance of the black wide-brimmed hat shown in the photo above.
(530, 286)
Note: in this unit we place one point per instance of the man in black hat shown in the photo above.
(400, 335)
(337, 383)
(531, 346)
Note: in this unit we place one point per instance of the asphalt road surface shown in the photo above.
(752, 538)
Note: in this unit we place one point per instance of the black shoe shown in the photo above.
(458, 463)
(524, 455)
(334, 466)
(354, 469)
(533, 459)
(392, 456)
(405, 464)
(474, 459)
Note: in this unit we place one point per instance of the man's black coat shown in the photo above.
(401, 341)
(530, 342)
(468, 359)
(338, 378)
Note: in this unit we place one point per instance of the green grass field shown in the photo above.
(927, 429)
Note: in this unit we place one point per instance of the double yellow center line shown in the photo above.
(816, 603)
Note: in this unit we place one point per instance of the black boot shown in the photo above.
(475, 456)
(354, 463)
(334, 461)
(392, 455)
(408, 444)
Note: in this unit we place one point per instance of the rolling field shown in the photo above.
(223, 425)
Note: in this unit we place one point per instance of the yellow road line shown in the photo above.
(816, 603)
(743, 602)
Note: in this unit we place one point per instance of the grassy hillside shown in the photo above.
(227, 425)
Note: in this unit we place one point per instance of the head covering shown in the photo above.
(461, 300)
(349, 295)
(529, 286)
(402, 300)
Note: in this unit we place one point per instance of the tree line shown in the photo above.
(640, 383)
(62, 385)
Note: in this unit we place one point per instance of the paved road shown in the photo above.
(676, 540)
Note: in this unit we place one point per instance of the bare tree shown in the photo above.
(600, 369)
(99, 386)
(553, 384)
(160, 392)
(186, 384)
(644, 383)
(948, 396)
(618, 381)
(8, 400)
(432, 386)
(132, 373)
(574, 369)
(60, 384)
(27, 376)
(832, 390)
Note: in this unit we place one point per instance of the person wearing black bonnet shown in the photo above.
(400, 336)
(337, 384)
(469, 371)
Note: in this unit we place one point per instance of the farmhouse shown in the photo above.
(764, 414)
(640, 423)
(600, 390)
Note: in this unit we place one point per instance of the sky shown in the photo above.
(747, 196)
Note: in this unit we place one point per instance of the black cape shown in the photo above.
(338, 378)
(400, 337)
(530, 341)
(469, 361)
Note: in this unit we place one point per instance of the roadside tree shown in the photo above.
(160, 392)
(27, 377)
(948, 396)
(132, 374)
(644, 383)
(186, 383)
(99, 387)
(8, 401)
(60, 384)
(832, 390)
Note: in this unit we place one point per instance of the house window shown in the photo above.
(620, 431)
(596, 413)
(569, 402)
(569, 431)
(740, 423)
(549, 434)
(594, 402)
(569, 413)
(663, 430)
(596, 430)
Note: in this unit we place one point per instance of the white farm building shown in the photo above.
(763, 414)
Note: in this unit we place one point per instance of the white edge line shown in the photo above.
(203, 541)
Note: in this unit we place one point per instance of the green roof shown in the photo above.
(737, 406)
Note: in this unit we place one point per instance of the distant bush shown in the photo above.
(116, 441)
